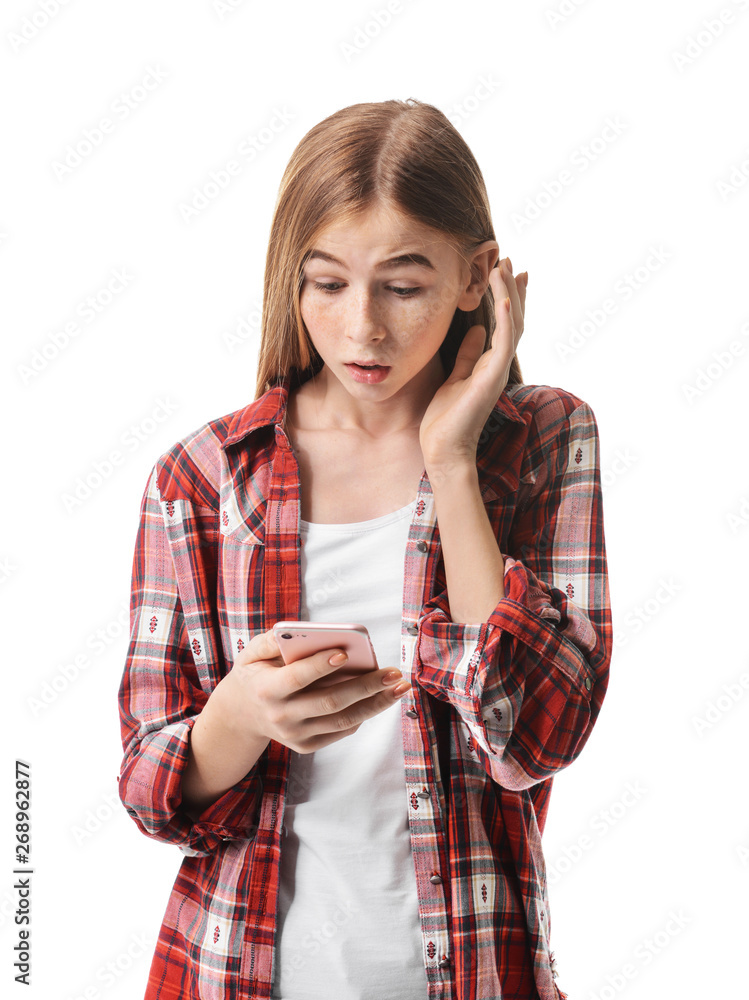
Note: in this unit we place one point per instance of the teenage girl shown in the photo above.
(378, 838)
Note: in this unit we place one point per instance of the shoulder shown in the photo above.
(191, 468)
(546, 404)
(552, 414)
(561, 429)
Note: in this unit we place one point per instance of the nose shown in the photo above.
(364, 321)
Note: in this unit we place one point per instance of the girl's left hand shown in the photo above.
(452, 423)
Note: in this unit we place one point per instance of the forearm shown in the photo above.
(474, 567)
(222, 751)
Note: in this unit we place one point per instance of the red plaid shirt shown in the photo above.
(496, 708)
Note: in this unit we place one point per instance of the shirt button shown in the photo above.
(422, 546)
(436, 878)
(423, 793)
(443, 962)
(411, 714)
(587, 684)
(413, 630)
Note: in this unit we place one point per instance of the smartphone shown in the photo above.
(299, 639)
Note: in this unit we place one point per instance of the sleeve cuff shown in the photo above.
(527, 612)
(150, 789)
(491, 671)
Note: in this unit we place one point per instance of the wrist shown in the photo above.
(224, 714)
(451, 469)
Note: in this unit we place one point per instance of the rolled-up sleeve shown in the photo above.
(529, 682)
(173, 663)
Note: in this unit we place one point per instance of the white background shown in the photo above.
(650, 821)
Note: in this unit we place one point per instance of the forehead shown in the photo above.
(383, 236)
(380, 222)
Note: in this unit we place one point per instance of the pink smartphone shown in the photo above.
(299, 639)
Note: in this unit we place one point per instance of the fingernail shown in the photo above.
(391, 677)
(337, 659)
(402, 688)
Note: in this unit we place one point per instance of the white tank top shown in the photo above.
(348, 916)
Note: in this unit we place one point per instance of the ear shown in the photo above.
(482, 260)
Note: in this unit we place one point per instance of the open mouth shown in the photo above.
(368, 373)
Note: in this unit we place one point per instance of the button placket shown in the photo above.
(420, 797)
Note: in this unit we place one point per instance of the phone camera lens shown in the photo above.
(286, 635)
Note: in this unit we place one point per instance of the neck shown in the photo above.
(333, 407)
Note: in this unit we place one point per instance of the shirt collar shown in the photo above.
(269, 409)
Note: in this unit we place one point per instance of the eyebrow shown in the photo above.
(401, 260)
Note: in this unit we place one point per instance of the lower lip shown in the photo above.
(370, 375)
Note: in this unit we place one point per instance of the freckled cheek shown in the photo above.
(318, 317)
(431, 316)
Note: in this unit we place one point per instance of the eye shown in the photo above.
(402, 293)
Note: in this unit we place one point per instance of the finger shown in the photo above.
(271, 643)
(350, 702)
(510, 331)
(302, 672)
(262, 646)
(522, 284)
(501, 288)
(509, 282)
(505, 338)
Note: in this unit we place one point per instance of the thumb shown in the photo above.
(271, 643)
(263, 646)
(470, 350)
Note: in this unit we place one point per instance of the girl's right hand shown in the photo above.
(276, 702)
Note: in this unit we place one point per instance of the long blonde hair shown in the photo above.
(403, 153)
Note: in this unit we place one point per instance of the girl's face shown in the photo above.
(383, 290)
